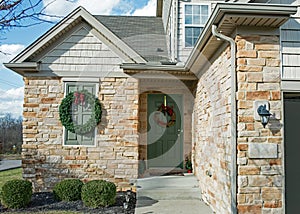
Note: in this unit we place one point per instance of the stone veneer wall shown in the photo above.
(260, 170)
(115, 157)
(212, 147)
(259, 150)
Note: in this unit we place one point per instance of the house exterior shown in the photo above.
(186, 82)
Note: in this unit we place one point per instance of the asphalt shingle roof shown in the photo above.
(145, 35)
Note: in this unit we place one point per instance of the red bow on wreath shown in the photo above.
(79, 97)
(170, 112)
(167, 109)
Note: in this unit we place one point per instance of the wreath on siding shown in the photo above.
(85, 99)
(166, 110)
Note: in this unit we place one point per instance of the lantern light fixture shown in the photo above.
(264, 114)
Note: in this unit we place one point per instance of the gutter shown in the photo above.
(20, 68)
(153, 67)
(233, 117)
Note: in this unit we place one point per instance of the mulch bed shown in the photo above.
(45, 201)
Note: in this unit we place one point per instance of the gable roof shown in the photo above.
(23, 61)
(135, 39)
(145, 35)
(226, 16)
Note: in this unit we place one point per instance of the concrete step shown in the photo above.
(187, 180)
(172, 206)
(171, 194)
(169, 187)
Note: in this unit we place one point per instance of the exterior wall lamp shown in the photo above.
(264, 114)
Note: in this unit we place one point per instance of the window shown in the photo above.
(80, 115)
(196, 17)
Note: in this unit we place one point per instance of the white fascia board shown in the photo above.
(123, 49)
(46, 37)
(21, 68)
(127, 66)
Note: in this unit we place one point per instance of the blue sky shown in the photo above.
(13, 41)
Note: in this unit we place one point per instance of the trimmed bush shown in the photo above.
(68, 190)
(98, 193)
(16, 193)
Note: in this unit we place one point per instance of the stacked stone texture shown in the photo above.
(259, 150)
(115, 157)
(260, 187)
(212, 134)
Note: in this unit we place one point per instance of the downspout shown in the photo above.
(233, 117)
(174, 29)
(176, 7)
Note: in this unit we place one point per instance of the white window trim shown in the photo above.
(96, 82)
(191, 25)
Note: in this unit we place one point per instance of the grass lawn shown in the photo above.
(10, 175)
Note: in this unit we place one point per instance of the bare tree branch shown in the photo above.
(8, 5)
(23, 13)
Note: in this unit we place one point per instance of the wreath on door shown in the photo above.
(166, 110)
(85, 99)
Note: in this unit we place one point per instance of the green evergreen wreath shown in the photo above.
(82, 98)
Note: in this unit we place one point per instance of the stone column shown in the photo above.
(259, 157)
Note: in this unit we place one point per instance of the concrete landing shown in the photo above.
(170, 194)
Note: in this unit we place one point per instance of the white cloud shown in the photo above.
(148, 10)
(11, 101)
(9, 51)
(64, 7)
(96, 7)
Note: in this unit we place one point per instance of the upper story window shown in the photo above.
(195, 18)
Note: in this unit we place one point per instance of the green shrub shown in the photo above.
(16, 193)
(98, 193)
(68, 190)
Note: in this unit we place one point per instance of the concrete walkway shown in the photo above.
(10, 164)
(170, 194)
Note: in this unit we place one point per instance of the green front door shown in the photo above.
(165, 131)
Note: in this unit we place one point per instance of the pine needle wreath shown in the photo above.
(82, 98)
(165, 110)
